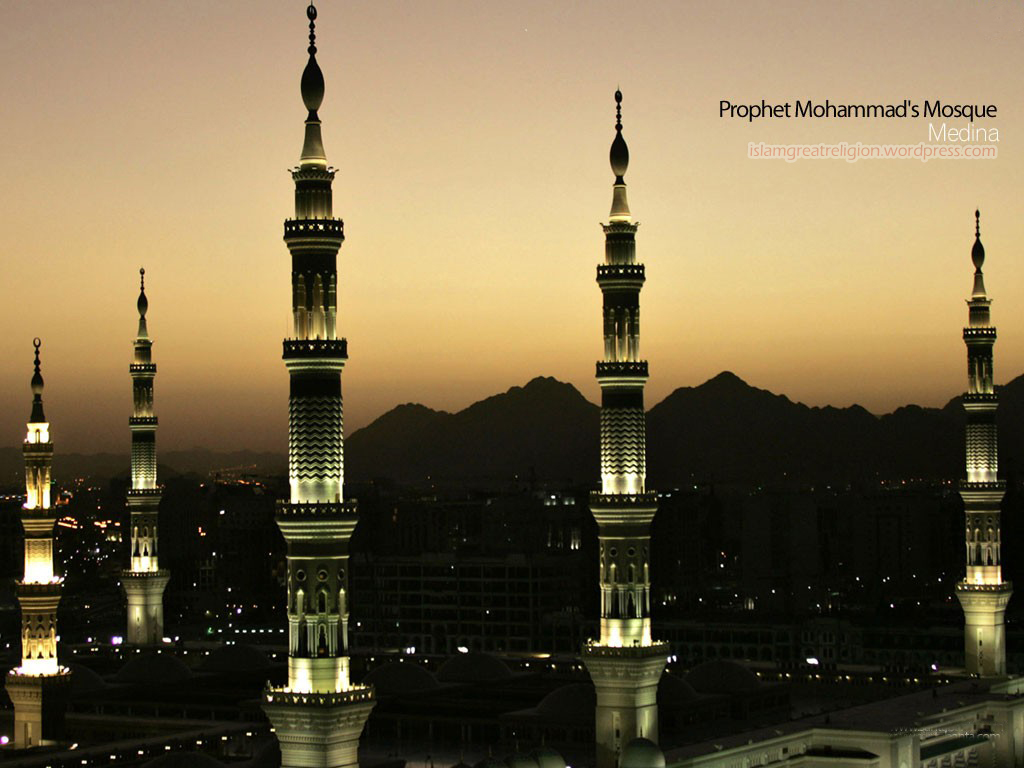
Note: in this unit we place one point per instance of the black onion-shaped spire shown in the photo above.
(978, 251)
(619, 154)
(37, 416)
(312, 77)
(142, 304)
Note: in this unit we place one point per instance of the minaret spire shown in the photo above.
(624, 663)
(37, 388)
(319, 714)
(144, 581)
(978, 258)
(38, 687)
(312, 86)
(619, 157)
(983, 593)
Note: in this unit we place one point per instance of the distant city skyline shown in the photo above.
(471, 142)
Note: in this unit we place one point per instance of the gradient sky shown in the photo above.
(472, 140)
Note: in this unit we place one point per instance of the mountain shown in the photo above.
(723, 430)
(545, 428)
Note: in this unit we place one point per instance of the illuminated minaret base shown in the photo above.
(625, 664)
(319, 715)
(983, 593)
(39, 687)
(144, 581)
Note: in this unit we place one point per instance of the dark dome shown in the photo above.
(520, 760)
(473, 668)
(85, 680)
(397, 678)
(546, 757)
(183, 760)
(235, 658)
(153, 668)
(490, 762)
(722, 676)
(642, 753)
(673, 691)
(571, 704)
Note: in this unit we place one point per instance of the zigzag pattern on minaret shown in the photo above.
(315, 437)
(623, 437)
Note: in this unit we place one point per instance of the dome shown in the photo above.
(520, 760)
(473, 668)
(397, 678)
(571, 704)
(490, 762)
(674, 691)
(153, 668)
(85, 680)
(235, 658)
(183, 760)
(722, 676)
(546, 757)
(642, 753)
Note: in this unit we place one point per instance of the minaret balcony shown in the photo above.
(328, 229)
(610, 275)
(143, 493)
(354, 695)
(980, 334)
(136, 422)
(614, 370)
(48, 591)
(980, 401)
(299, 349)
(142, 368)
(963, 586)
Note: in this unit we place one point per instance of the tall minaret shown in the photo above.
(319, 715)
(39, 686)
(983, 593)
(625, 664)
(144, 581)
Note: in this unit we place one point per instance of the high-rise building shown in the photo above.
(624, 663)
(983, 593)
(39, 686)
(144, 581)
(319, 714)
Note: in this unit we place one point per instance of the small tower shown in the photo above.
(983, 593)
(319, 714)
(144, 581)
(625, 663)
(39, 687)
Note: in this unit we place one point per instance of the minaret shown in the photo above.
(39, 686)
(319, 715)
(144, 581)
(983, 593)
(625, 664)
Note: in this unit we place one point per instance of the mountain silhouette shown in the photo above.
(723, 430)
(545, 429)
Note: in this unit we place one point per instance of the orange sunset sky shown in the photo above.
(472, 141)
